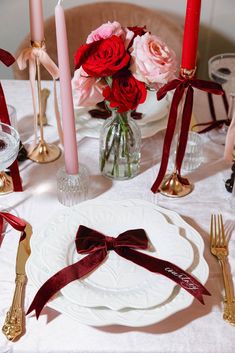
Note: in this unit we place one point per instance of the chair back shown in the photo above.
(81, 20)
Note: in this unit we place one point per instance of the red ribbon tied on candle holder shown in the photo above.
(7, 59)
(97, 245)
(180, 85)
(16, 223)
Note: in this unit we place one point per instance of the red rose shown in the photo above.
(138, 31)
(102, 58)
(126, 92)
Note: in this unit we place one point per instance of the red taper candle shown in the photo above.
(191, 29)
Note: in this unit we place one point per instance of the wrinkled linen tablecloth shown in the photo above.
(196, 329)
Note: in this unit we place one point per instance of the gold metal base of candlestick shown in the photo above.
(6, 184)
(174, 185)
(44, 153)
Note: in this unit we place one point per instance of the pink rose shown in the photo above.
(105, 31)
(87, 90)
(152, 61)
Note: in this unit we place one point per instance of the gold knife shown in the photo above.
(14, 324)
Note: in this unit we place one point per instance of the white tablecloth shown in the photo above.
(196, 329)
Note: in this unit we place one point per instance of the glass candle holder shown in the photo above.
(72, 189)
(193, 154)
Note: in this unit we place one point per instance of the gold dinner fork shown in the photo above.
(219, 248)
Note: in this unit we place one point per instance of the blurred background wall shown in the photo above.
(217, 32)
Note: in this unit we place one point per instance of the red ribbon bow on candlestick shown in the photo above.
(16, 223)
(180, 85)
(97, 245)
(7, 59)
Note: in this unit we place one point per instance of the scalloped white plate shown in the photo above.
(117, 283)
(179, 299)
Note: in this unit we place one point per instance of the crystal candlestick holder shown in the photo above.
(72, 189)
(193, 156)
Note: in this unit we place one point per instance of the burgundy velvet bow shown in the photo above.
(97, 245)
(7, 59)
(180, 85)
(16, 222)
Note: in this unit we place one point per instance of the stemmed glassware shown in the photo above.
(9, 147)
(222, 70)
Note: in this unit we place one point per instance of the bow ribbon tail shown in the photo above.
(16, 222)
(185, 123)
(169, 135)
(211, 106)
(31, 55)
(53, 70)
(210, 125)
(166, 268)
(63, 277)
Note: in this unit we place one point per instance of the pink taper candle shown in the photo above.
(68, 120)
(36, 20)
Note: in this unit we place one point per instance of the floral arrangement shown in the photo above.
(119, 65)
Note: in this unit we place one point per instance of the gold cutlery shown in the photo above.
(219, 248)
(14, 324)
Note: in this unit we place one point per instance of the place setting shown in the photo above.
(114, 260)
(118, 292)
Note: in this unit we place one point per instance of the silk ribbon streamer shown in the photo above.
(16, 223)
(31, 55)
(97, 245)
(210, 125)
(181, 86)
(7, 59)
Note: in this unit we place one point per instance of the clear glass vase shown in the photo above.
(120, 143)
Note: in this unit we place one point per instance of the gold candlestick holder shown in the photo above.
(174, 185)
(43, 152)
(6, 184)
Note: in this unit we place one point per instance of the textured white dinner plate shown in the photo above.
(117, 283)
(155, 117)
(38, 273)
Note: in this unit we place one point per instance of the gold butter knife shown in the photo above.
(14, 324)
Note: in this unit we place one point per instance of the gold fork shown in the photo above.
(219, 248)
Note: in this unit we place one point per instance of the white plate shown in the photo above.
(117, 283)
(155, 117)
(179, 300)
